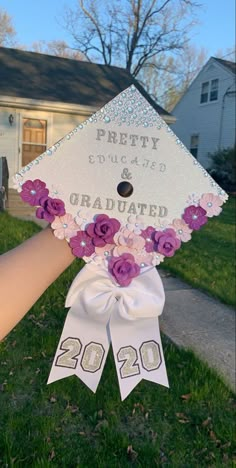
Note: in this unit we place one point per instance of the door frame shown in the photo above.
(34, 114)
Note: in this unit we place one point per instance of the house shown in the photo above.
(205, 115)
(43, 97)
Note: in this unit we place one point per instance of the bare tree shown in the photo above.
(7, 31)
(182, 70)
(129, 33)
(175, 74)
(227, 54)
(57, 48)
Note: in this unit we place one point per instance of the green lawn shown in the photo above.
(66, 425)
(208, 260)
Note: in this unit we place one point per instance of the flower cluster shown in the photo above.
(50, 209)
(98, 234)
(125, 249)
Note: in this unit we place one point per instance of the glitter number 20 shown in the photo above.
(92, 358)
(150, 358)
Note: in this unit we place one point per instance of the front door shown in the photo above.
(34, 139)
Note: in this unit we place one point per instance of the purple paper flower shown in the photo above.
(166, 242)
(32, 191)
(195, 217)
(50, 207)
(103, 230)
(148, 235)
(82, 245)
(123, 268)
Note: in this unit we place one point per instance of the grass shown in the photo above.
(65, 425)
(208, 260)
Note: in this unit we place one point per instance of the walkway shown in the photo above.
(197, 321)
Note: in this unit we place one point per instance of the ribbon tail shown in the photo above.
(138, 352)
(151, 354)
(82, 349)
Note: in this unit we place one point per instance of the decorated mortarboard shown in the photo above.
(125, 193)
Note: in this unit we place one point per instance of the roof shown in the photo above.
(49, 78)
(226, 63)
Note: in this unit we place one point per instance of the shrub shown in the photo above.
(223, 167)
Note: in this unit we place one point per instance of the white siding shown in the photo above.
(206, 120)
(64, 123)
(8, 138)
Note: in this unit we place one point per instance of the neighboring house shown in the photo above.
(42, 98)
(205, 115)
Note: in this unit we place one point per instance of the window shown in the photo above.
(209, 91)
(204, 92)
(194, 142)
(214, 90)
(34, 139)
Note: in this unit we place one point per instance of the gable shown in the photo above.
(212, 70)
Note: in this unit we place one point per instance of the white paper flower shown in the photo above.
(161, 224)
(83, 218)
(89, 259)
(157, 258)
(143, 258)
(55, 191)
(16, 183)
(136, 224)
(101, 261)
(193, 199)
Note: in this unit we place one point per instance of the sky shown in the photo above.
(36, 20)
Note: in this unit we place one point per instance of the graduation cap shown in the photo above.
(125, 193)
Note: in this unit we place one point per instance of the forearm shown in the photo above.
(26, 272)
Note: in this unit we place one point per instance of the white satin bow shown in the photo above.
(97, 293)
(102, 311)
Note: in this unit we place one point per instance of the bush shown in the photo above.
(223, 168)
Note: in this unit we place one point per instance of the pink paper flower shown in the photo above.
(50, 207)
(195, 217)
(211, 204)
(32, 191)
(183, 232)
(64, 227)
(166, 242)
(127, 241)
(136, 223)
(105, 251)
(103, 230)
(82, 245)
(123, 269)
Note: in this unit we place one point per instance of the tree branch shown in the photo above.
(94, 22)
